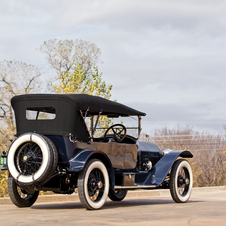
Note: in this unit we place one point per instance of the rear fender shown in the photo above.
(5, 167)
(78, 162)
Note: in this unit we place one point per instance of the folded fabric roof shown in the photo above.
(83, 102)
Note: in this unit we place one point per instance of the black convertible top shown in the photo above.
(83, 102)
(69, 109)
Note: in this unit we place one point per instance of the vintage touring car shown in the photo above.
(56, 150)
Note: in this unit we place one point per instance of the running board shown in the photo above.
(134, 187)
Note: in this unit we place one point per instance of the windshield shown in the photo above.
(131, 123)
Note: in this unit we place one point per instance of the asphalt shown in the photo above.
(205, 191)
(206, 206)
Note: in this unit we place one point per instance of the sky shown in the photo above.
(165, 58)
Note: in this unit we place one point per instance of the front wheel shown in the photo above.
(93, 185)
(181, 181)
(18, 196)
(117, 195)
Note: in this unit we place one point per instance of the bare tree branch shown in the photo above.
(15, 78)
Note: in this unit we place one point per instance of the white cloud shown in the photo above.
(167, 52)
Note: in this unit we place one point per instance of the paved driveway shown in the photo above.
(202, 209)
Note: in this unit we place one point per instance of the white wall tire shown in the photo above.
(181, 181)
(32, 158)
(93, 185)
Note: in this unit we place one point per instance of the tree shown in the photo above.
(80, 82)
(75, 62)
(62, 55)
(15, 78)
(178, 138)
(208, 163)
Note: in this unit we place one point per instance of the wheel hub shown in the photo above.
(99, 184)
(25, 158)
(182, 180)
(95, 184)
(186, 181)
(92, 184)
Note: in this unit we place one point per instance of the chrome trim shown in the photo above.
(166, 151)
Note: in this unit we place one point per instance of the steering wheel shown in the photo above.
(119, 132)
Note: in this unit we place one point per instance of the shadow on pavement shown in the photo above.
(109, 204)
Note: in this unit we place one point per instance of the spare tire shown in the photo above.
(32, 159)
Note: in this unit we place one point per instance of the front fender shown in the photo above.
(78, 162)
(162, 167)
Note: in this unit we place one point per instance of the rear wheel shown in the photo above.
(117, 195)
(93, 185)
(19, 196)
(181, 181)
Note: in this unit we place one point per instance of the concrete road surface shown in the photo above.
(202, 209)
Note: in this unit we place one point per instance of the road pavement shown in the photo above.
(203, 208)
